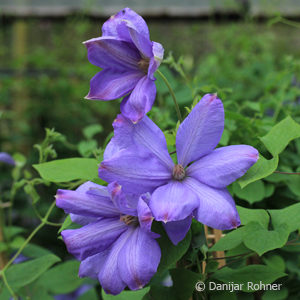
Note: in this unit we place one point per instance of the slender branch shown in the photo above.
(292, 244)
(287, 173)
(289, 22)
(8, 286)
(43, 223)
(23, 246)
(46, 221)
(172, 94)
(236, 260)
(225, 257)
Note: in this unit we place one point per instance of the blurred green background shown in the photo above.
(44, 71)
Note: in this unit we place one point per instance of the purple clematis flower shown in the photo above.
(6, 158)
(115, 244)
(137, 158)
(128, 59)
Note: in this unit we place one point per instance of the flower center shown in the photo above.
(129, 220)
(178, 172)
(144, 65)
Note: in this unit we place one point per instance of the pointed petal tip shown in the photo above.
(102, 166)
(116, 189)
(213, 97)
(59, 193)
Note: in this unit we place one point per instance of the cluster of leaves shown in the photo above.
(261, 94)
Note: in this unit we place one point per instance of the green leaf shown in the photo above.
(31, 191)
(276, 295)
(253, 215)
(62, 278)
(126, 295)
(229, 241)
(184, 282)
(289, 215)
(261, 240)
(225, 137)
(32, 250)
(223, 295)
(252, 193)
(67, 222)
(11, 231)
(276, 262)
(89, 295)
(170, 253)
(4, 293)
(170, 138)
(261, 169)
(269, 190)
(24, 273)
(86, 148)
(293, 184)
(253, 274)
(280, 135)
(69, 169)
(35, 292)
(182, 289)
(91, 130)
(237, 236)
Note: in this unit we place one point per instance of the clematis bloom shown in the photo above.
(115, 244)
(6, 158)
(128, 59)
(137, 157)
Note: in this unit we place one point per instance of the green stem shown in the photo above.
(43, 223)
(289, 22)
(287, 173)
(232, 256)
(41, 218)
(172, 94)
(8, 286)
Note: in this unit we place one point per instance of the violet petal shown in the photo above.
(91, 266)
(177, 230)
(142, 42)
(144, 212)
(140, 101)
(126, 203)
(109, 276)
(156, 59)
(173, 202)
(6, 158)
(216, 206)
(109, 84)
(139, 259)
(224, 165)
(88, 204)
(93, 238)
(145, 133)
(109, 52)
(135, 169)
(115, 25)
(201, 131)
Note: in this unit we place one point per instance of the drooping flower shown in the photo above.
(137, 157)
(128, 59)
(6, 158)
(115, 244)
